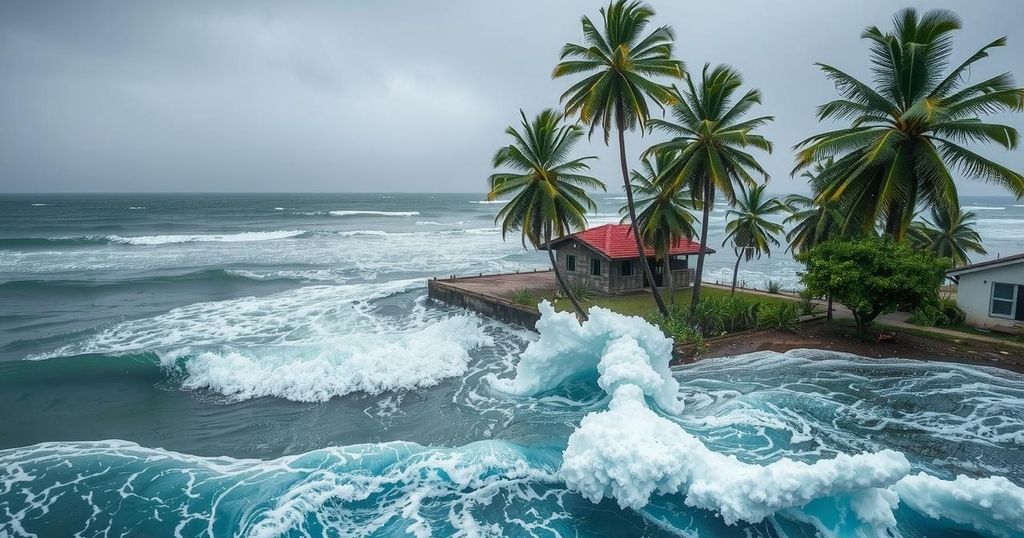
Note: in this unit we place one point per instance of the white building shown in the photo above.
(991, 293)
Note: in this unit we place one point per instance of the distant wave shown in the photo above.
(489, 201)
(39, 205)
(434, 223)
(136, 207)
(347, 213)
(40, 286)
(278, 209)
(204, 238)
(981, 208)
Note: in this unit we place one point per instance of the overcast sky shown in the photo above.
(380, 96)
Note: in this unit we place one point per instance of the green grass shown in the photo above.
(641, 303)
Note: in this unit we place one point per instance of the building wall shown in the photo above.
(582, 276)
(974, 293)
(610, 281)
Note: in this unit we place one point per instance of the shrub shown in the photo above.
(774, 286)
(872, 275)
(942, 311)
(581, 292)
(524, 296)
(807, 305)
(783, 316)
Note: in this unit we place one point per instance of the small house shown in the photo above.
(991, 292)
(605, 259)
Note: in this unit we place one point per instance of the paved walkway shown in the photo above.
(899, 320)
(503, 286)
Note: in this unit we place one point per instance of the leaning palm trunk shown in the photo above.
(632, 214)
(582, 314)
(736, 270)
(699, 273)
(667, 277)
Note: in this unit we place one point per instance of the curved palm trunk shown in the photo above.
(582, 314)
(632, 212)
(736, 271)
(668, 274)
(699, 273)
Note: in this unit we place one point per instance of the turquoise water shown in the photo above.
(269, 365)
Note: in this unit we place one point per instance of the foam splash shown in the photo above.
(630, 452)
(361, 362)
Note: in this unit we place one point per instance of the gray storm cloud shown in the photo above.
(381, 96)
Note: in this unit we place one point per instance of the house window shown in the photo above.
(595, 267)
(626, 268)
(1004, 300)
(570, 263)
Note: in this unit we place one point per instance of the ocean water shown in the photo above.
(265, 365)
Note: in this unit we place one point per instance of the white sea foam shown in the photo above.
(435, 223)
(346, 213)
(336, 366)
(278, 209)
(993, 505)
(242, 237)
(981, 208)
(630, 452)
(304, 315)
(39, 205)
(489, 201)
(136, 207)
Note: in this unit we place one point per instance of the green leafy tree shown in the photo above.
(549, 190)
(909, 128)
(872, 275)
(949, 234)
(749, 228)
(618, 61)
(664, 211)
(710, 136)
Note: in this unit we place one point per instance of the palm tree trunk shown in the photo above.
(828, 315)
(735, 271)
(582, 314)
(620, 120)
(699, 273)
(668, 275)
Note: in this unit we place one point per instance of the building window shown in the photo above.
(626, 268)
(570, 263)
(1004, 300)
(595, 267)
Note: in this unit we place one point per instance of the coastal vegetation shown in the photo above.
(710, 138)
(548, 189)
(618, 60)
(748, 226)
(882, 221)
(664, 215)
(872, 275)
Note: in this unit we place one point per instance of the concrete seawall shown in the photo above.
(489, 294)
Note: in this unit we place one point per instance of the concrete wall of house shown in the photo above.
(974, 295)
(611, 280)
(582, 276)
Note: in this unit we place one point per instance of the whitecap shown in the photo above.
(278, 209)
(981, 208)
(202, 238)
(136, 207)
(39, 205)
(489, 201)
(435, 223)
(347, 213)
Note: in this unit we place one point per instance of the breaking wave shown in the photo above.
(347, 213)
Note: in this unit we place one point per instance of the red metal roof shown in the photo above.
(615, 241)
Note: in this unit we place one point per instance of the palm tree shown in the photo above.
(748, 227)
(619, 61)
(949, 234)
(908, 130)
(710, 136)
(549, 197)
(813, 222)
(663, 217)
